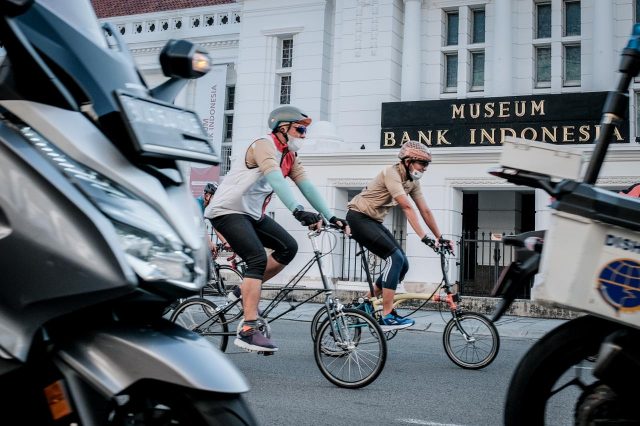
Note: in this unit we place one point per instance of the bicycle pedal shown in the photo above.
(264, 353)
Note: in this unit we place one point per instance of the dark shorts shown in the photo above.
(371, 234)
(248, 237)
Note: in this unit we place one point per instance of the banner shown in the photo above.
(209, 103)
(571, 118)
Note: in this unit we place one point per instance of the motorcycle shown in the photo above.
(99, 231)
(588, 262)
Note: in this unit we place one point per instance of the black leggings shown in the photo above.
(376, 238)
(248, 237)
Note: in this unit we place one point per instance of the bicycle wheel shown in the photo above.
(544, 372)
(224, 279)
(203, 317)
(355, 355)
(480, 346)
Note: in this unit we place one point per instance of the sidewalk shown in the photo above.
(435, 321)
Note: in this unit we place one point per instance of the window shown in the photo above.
(451, 72)
(231, 95)
(543, 66)
(228, 127)
(452, 29)
(571, 18)
(571, 75)
(287, 53)
(543, 20)
(477, 70)
(285, 89)
(477, 30)
(225, 154)
(637, 11)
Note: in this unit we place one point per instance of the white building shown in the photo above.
(527, 64)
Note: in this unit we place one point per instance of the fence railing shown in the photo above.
(352, 269)
(483, 256)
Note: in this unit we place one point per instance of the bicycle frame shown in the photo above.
(451, 298)
(332, 305)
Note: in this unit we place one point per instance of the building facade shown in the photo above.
(458, 75)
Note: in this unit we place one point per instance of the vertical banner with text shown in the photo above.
(209, 103)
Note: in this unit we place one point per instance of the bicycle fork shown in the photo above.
(467, 337)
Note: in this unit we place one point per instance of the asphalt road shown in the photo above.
(419, 385)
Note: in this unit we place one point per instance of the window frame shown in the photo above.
(472, 56)
(564, 18)
(282, 49)
(541, 84)
(472, 28)
(448, 14)
(446, 55)
(281, 78)
(566, 82)
(536, 26)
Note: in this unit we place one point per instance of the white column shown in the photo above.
(411, 51)
(605, 63)
(502, 42)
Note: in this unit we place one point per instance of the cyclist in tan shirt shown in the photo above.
(367, 210)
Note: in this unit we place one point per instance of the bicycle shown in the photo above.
(349, 349)
(470, 339)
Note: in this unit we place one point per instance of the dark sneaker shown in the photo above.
(394, 322)
(253, 340)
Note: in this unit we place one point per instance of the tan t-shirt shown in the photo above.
(378, 197)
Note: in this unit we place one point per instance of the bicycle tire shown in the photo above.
(534, 379)
(202, 316)
(479, 352)
(223, 281)
(354, 362)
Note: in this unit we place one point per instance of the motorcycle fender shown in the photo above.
(113, 358)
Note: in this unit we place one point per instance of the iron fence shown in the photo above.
(352, 269)
(483, 257)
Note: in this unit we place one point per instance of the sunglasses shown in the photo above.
(423, 163)
(301, 129)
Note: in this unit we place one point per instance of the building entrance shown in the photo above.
(486, 216)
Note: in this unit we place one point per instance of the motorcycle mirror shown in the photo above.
(14, 7)
(183, 59)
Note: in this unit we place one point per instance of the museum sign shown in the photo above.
(571, 118)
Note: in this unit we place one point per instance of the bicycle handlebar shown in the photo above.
(440, 249)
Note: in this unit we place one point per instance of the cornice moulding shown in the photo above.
(282, 30)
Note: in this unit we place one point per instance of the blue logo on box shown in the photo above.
(619, 284)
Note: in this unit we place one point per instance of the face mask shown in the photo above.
(415, 175)
(294, 144)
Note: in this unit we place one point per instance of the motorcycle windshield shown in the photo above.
(78, 14)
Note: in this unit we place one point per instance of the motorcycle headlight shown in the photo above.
(152, 247)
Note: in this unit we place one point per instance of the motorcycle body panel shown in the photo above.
(58, 254)
(113, 358)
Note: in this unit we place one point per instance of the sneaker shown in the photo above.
(394, 322)
(253, 340)
(400, 288)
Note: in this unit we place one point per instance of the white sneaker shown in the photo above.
(400, 289)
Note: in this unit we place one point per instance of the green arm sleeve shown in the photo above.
(312, 194)
(281, 188)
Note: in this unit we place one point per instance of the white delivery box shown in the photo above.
(590, 266)
(541, 157)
